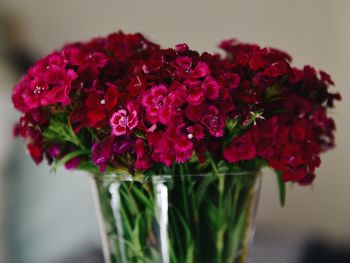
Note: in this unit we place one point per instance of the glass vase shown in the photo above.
(177, 219)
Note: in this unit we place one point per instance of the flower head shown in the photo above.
(122, 121)
(140, 107)
(214, 121)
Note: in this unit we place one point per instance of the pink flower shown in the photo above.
(155, 101)
(170, 146)
(163, 106)
(200, 71)
(211, 88)
(121, 122)
(54, 151)
(162, 148)
(52, 87)
(184, 63)
(195, 95)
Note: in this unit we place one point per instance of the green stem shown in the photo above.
(246, 235)
(221, 224)
(184, 192)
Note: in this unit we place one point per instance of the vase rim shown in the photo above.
(167, 177)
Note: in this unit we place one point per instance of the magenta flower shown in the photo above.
(183, 148)
(214, 121)
(185, 68)
(73, 163)
(101, 153)
(123, 144)
(196, 131)
(54, 151)
(163, 106)
(195, 95)
(211, 88)
(155, 101)
(181, 48)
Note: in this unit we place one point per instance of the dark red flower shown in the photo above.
(276, 69)
(200, 150)
(196, 131)
(195, 112)
(307, 179)
(326, 78)
(298, 132)
(241, 148)
(143, 161)
(258, 61)
(95, 109)
(36, 152)
(230, 80)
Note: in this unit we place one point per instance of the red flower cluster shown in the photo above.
(133, 104)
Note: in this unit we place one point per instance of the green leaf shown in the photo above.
(282, 188)
(89, 166)
(131, 203)
(186, 228)
(212, 215)
(190, 253)
(272, 93)
(68, 157)
(231, 124)
(142, 197)
(202, 189)
(60, 130)
(154, 257)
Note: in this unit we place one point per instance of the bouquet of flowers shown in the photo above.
(122, 105)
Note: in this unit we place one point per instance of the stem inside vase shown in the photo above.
(175, 219)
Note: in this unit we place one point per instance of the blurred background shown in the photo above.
(51, 218)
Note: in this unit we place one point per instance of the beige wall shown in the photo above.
(314, 32)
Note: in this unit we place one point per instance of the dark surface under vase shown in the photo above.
(177, 219)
